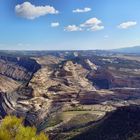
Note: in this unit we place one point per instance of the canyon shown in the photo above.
(64, 93)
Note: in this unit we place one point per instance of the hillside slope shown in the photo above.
(121, 124)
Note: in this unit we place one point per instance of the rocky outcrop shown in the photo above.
(61, 94)
(20, 69)
(8, 84)
(100, 78)
(66, 77)
(91, 65)
(75, 75)
(113, 78)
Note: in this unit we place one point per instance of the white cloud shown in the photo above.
(96, 28)
(126, 25)
(72, 28)
(29, 11)
(92, 24)
(55, 24)
(86, 9)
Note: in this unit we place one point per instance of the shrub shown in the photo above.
(12, 128)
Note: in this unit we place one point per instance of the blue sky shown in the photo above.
(69, 24)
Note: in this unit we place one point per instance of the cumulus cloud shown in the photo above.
(72, 28)
(86, 9)
(55, 24)
(92, 24)
(126, 25)
(30, 11)
(96, 28)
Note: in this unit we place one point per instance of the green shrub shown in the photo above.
(12, 128)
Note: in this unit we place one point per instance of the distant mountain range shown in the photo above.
(135, 49)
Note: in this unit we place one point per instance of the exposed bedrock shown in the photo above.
(20, 69)
(106, 79)
(55, 94)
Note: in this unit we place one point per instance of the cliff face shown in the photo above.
(107, 78)
(14, 71)
(8, 84)
(20, 69)
(15, 74)
(61, 94)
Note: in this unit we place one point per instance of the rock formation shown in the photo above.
(65, 91)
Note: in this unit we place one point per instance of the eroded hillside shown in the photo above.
(64, 93)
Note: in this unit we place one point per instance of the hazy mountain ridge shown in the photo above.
(134, 50)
